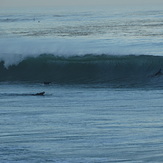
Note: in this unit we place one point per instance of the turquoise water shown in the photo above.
(80, 124)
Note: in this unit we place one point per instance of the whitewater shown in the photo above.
(102, 73)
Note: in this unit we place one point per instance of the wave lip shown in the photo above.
(86, 69)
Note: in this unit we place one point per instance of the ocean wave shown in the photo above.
(15, 50)
(85, 69)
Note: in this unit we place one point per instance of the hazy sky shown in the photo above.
(30, 3)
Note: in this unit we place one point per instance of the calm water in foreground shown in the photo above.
(84, 124)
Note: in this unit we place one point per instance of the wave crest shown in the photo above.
(86, 69)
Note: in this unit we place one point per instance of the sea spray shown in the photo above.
(15, 50)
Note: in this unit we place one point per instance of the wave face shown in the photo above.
(86, 69)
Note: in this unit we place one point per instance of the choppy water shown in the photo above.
(104, 102)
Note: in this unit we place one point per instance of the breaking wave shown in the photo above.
(85, 69)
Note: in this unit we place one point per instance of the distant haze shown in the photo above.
(55, 3)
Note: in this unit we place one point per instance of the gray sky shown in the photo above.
(30, 3)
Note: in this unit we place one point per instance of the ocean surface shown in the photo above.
(102, 73)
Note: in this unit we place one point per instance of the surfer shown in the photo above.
(47, 83)
(158, 73)
(39, 94)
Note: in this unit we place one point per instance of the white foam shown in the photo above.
(14, 50)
